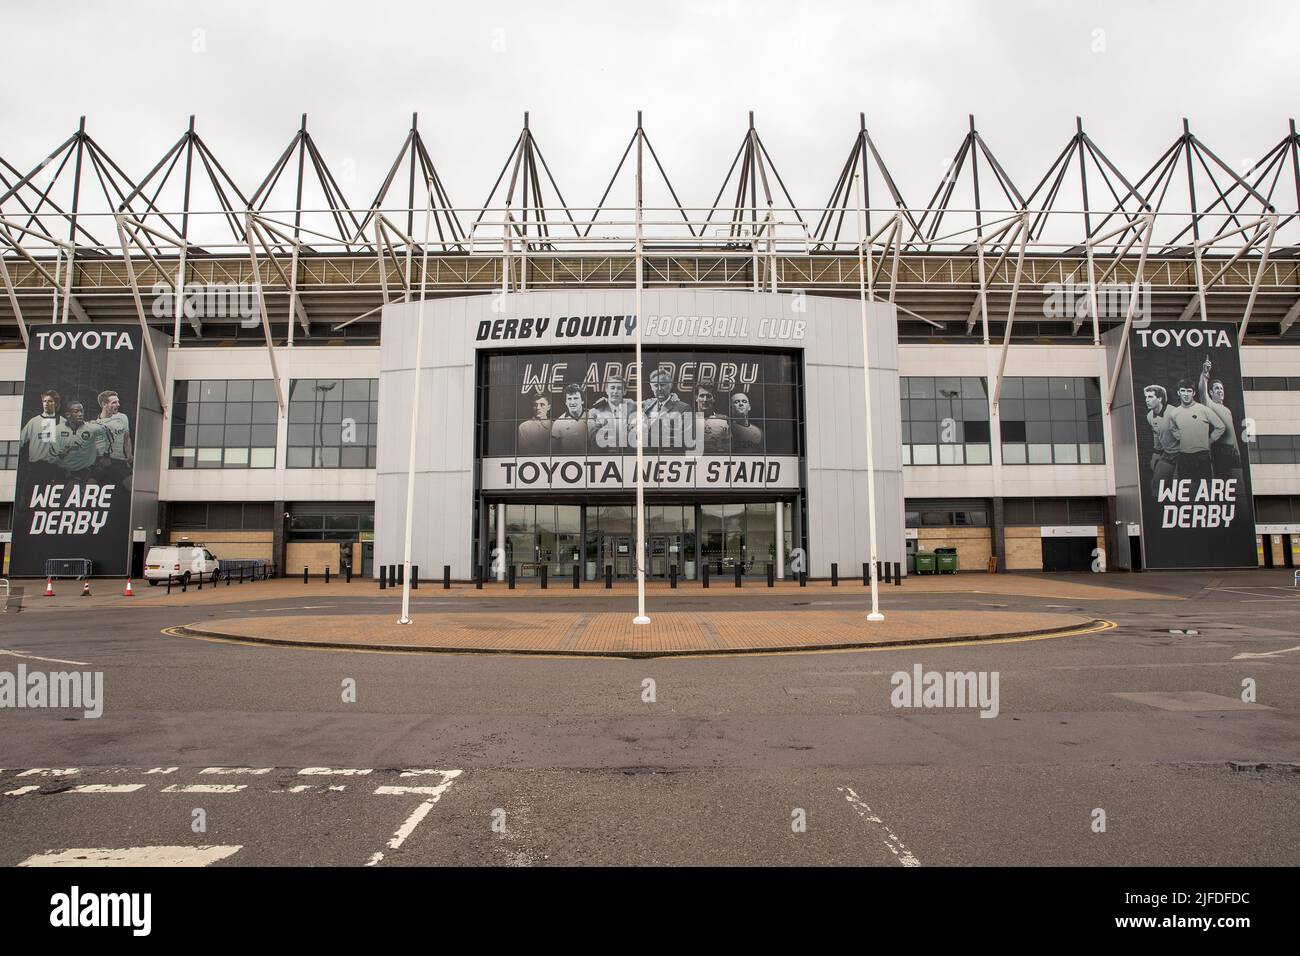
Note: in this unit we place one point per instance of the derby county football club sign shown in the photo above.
(77, 456)
(1193, 467)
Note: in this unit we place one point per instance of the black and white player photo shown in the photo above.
(664, 413)
(84, 447)
(571, 428)
(1225, 451)
(40, 438)
(614, 417)
(1164, 451)
(712, 423)
(120, 463)
(1195, 428)
(535, 433)
(746, 438)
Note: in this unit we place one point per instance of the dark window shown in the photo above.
(333, 423)
(11, 388)
(1053, 420)
(223, 424)
(1274, 449)
(9, 455)
(945, 420)
(959, 513)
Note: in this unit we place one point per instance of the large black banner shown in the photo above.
(77, 455)
(1194, 473)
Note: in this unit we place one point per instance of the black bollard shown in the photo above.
(446, 577)
(672, 577)
(383, 577)
(898, 574)
(704, 574)
(543, 575)
(227, 579)
(771, 575)
(304, 574)
(609, 576)
(803, 579)
(169, 585)
(886, 577)
(879, 570)
(347, 572)
(415, 576)
(739, 570)
(478, 578)
(835, 575)
(866, 574)
(401, 573)
(510, 575)
(577, 576)
(327, 574)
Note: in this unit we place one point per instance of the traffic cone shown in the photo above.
(85, 589)
(128, 592)
(49, 587)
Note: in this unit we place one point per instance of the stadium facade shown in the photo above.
(1055, 385)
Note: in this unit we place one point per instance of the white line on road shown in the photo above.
(314, 788)
(326, 771)
(418, 814)
(20, 791)
(1245, 656)
(49, 772)
(162, 770)
(892, 841)
(107, 788)
(133, 856)
(237, 770)
(49, 660)
(205, 788)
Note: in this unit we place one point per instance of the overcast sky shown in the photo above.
(1132, 70)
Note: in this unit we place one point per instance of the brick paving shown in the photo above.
(669, 632)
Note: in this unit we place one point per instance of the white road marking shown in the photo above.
(49, 772)
(205, 788)
(421, 773)
(49, 660)
(313, 788)
(20, 791)
(894, 844)
(237, 770)
(419, 813)
(1251, 656)
(107, 788)
(326, 771)
(162, 770)
(133, 856)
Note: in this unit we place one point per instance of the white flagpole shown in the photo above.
(641, 617)
(875, 614)
(415, 410)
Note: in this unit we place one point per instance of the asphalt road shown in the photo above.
(796, 758)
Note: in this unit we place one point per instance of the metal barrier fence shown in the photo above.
(67, 568)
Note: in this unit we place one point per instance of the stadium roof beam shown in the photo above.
(342, 215)
(837, 206)
(451, 234)
(190, 145)
(972, 146)
(753, 161)
(639, 137)
(533, 228)
(262, 228)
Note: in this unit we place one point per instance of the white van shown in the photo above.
(179, 562)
